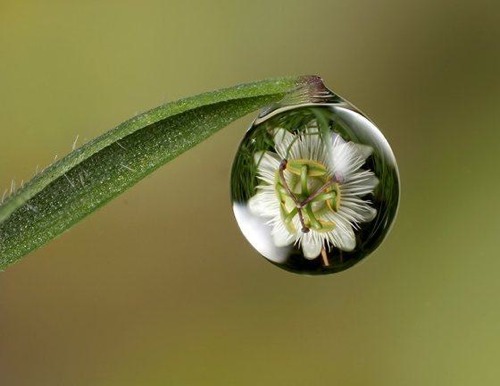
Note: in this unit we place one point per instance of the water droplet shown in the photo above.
(314, 184)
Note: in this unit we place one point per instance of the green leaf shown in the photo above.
(92, 175)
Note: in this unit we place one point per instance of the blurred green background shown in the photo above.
(160, 287)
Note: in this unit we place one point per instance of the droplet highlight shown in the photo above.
(314, 183)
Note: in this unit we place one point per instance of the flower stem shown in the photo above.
(318, 192)
(281, 172)
(324, 256)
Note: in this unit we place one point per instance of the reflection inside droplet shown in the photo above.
(258, 233)
(314, 186)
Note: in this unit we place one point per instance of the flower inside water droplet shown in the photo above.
(315, 186)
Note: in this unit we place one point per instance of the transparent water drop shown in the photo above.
(314, 183)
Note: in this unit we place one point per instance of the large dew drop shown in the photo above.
(314, 184)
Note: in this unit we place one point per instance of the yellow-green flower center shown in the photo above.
(309, 191)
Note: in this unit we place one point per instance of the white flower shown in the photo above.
(310, 191)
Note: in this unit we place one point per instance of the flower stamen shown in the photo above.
(319, 195)
(318, 192)
(281, 172)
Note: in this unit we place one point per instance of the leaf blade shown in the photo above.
(92, 175)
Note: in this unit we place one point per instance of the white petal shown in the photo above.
(342, 236)
(264, 203)
(307, 145)
(359, 184)
(267, 164)
(346, 240)
(364, 151)
(258, 232)
(317, 149)
(356, 210)
(281, 236)
(283, 141)
(345, 158)
(311, 246)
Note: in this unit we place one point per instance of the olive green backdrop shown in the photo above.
(160, 288)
